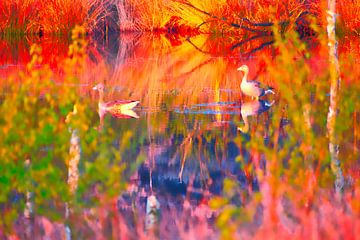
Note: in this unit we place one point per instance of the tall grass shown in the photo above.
(349, 12)
(19, 17)
(259, 11)
(219, 15)
(61, 16)
(148, 15)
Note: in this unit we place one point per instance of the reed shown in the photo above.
(19, 17)
(144, 15)
(349, 16)
(61, 16)
(223, 16)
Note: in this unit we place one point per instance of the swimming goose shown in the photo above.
(119, 109)
(252, 88)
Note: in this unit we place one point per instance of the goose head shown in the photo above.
(99, 87)
(243, 68)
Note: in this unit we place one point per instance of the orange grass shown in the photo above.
(147, 15)
(19, 16)
(349, 11)
(207, 14)
(60, 16)
(259, 11)
(53, 16)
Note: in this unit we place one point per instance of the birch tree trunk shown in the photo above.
(334, 88)
(73, 170)
(28, 211)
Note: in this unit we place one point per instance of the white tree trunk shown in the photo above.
(334, 88)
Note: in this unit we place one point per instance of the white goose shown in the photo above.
(252, 88)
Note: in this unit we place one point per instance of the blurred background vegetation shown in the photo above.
(64, 174)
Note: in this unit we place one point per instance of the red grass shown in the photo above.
(52, 16)
(349, 11)
(19, 16)
(60, 16)
(216, 15)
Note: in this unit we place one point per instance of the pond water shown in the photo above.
(192, 129)
(189, 119)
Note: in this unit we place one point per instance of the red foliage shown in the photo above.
(176, 29)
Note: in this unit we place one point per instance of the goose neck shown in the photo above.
(246, 126)
(244, 79)
(101, 97)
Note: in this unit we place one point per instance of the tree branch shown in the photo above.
(224, 19)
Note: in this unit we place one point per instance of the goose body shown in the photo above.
(252, 88)
(119, 108)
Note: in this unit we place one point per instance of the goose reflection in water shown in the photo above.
(152, 217)
(253, 108)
